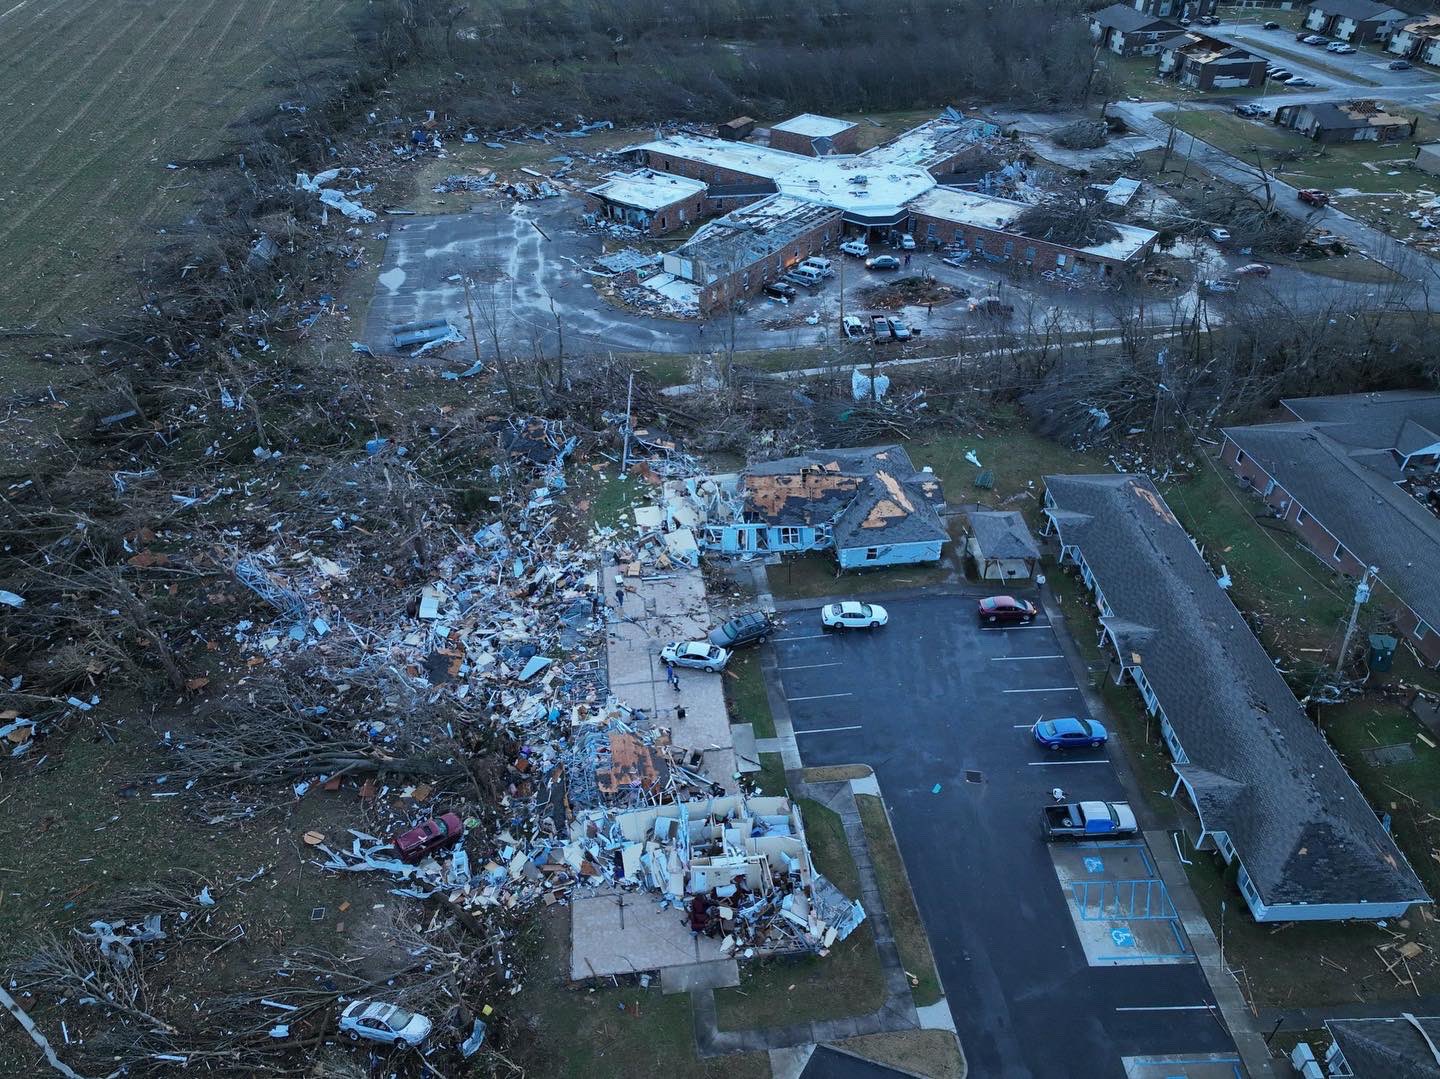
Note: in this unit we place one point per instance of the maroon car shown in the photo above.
(1007, 609)
(437, 833)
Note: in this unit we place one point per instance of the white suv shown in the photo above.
(858, 248)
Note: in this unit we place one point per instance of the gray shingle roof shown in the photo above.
(1261, 771)
(1351, 492)
(1368, 419)
(1002, 534)
(1390, 1048)
(1128, 20)
(872, 495)
(1359, 10)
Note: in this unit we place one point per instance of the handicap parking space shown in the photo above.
(1121, 910)
(1045, 961)
(1185, 1066)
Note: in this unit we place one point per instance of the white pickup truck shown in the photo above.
(1088, 820)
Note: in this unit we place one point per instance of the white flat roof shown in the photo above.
(854, 185)
(741, 156)
(928, 143)
(814, 127)
(989, 212)
(646, 189)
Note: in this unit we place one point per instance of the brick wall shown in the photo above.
(677, 215)
(1203, 76)
(748, 280)
(1036, 254)
(1323, 545)
(710, 174)
(795, 143)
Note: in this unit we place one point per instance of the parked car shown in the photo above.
(1339, 47)
(1271, 26)
(437, 833)
(803, 275)
(898, 329)
(1253, 269)
(1399, 65)
(853, 328)
(1219, 286)
(1088, 820)
(1069, 733)
(377, 1022)
(1314, 39)
(1313, 196)
(907, 242)
(1208, 20)
(992, 306)
(1219, 235)
(700, 655)
(781, 290)
(882, 262)
(996, 609)
(1298, 80)
(1279, 75)
(824, 267)
(859, 248)
(753, 627)
(852, 614)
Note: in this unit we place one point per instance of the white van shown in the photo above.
(858, 248)
(824, 267)
(807, 276)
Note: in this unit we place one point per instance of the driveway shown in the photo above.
(1044, 957)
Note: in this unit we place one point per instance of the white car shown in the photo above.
(853, 328)
(1219, 235)
(701, 655)
(853, 615)
(858, 248)
(1339, 47)
(377, 1022)
(907, 242)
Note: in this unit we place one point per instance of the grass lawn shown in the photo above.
(745, 692)
(771, 776)
(932, 1053)
(815, 574)
(910, 936)
(1299, 602)
(848, 981)
(1363, 167)
(609, 501)
(1135, 78)
(611, 1031)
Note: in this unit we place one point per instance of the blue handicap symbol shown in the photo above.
(1094, 865)
(1122, 937)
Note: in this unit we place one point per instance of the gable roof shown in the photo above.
(1204, 49)
(1368, 419)
(1127, 20)
(1351, 490)
(1002, 534)
(870, 496)
(1359, 10)
(1388, 1048)
(1351, 116)
(1260, 770)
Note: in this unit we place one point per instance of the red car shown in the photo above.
(1313, 196)
(1007, 609)
(437, 833)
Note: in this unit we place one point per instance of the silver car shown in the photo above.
(379, 1022)
(701, 655)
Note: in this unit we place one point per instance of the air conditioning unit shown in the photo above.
(1302, 1059)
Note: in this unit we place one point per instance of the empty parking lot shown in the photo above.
(1052, 965)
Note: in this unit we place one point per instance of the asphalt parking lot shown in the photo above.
(1056, 959)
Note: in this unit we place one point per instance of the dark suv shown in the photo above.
(743, 631)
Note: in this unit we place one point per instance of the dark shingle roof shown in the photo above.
(873, 496)
(1128, 20)
(1002, 534)
(1261, 771)
(1351, 492)
(1370, 419)
(1391, 1048)
(1359, 10)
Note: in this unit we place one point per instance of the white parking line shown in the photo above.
(809, 666)
(830, 730)
(1046, 689)
(811, 637)
(819, 697)
(1047, 764)
(1169, 1008)
(1017, 659)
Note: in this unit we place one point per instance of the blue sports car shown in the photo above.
(1064, 733)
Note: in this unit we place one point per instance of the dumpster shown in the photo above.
(1382, 652)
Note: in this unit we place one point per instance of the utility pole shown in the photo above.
(625, 453)
(1362, 594)
(842, 291)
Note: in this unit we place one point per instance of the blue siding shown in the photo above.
(894, 554)
(756, 538)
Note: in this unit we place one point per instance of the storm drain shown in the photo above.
(972, 776)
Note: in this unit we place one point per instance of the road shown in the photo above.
(939, 706)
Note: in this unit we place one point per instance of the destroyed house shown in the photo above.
(870, 506)
(1358, 477)
(1261, 786)
(1202, 62)
(654, 202)
(1352, 121)
(1418, 40)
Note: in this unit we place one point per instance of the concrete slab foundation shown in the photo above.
(627, 932)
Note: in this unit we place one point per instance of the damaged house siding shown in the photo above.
(891, 554)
